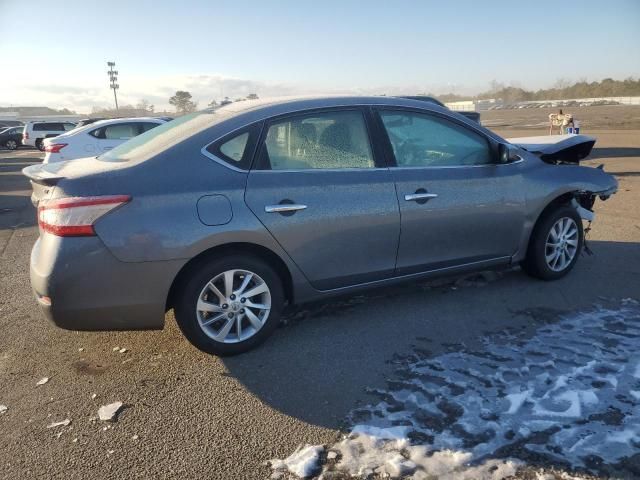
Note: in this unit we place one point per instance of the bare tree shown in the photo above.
(145, 106)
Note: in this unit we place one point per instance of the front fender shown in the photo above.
(548, 184)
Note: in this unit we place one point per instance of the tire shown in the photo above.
(544, 250)
(11, 144)
(196, 293)
(40, 144)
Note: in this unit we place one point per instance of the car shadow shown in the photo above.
(321, 363)
(16, 211)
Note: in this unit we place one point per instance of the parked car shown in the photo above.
(226, 215)
(88, 121)
(11, 137)
(11, 123)
(34, 133)
(96, 138)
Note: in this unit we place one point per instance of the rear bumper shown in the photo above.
(80, 285)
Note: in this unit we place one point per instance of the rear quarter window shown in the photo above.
(237, 148)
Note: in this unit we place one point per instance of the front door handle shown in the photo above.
(284, 208)
(420, 197)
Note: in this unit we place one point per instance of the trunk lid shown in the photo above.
(45, 176)
(557, 148)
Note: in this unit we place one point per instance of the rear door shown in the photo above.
(458, 206)
(324, 194)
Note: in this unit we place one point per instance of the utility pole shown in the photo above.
(113, 78)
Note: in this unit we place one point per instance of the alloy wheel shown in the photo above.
(562, 244)
(233, 306)
(11, 144)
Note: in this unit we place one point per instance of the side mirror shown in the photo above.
(508, 153)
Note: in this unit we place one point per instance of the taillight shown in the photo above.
(54, 147)
(75, 216)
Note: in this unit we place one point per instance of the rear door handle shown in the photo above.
(415, 197)
(284, 207)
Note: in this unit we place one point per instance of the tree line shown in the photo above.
(563, 89)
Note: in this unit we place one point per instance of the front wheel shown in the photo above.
(11, 144)
(40, 144)
(229, 305)
(555, 244)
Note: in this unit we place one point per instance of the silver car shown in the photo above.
(228, 215)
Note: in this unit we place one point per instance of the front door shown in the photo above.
(321, 192)
(457, 205)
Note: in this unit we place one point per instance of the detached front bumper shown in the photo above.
(80, 285)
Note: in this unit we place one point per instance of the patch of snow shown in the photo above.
(516, 400)
(569, 392)
(302, 463)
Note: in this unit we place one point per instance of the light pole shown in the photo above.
(113, 78)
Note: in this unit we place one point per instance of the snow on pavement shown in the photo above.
(570, 395)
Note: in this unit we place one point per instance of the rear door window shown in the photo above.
(146, 126)
(323, 140)
(119, 131)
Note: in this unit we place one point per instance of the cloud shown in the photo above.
(83, 94)
(156, 89)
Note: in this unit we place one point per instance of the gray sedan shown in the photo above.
(227, 215)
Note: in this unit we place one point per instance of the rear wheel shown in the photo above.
(230, 305)
(555, 244)
(11, 144)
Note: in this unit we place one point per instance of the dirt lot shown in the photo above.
(536, 120)
(189, 415)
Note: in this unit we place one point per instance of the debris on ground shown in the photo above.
(135, 437)
(3, 408)
(123, 350)
(63, 423)
(93, 397)
(115, 349)
(42, 381)
(81, 349)
(108, 413)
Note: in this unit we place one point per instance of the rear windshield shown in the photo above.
(158, 139)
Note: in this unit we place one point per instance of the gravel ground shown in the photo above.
(189, 415)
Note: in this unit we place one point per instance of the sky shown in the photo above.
(55, 53)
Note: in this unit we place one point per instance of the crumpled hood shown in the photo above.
(557, 148)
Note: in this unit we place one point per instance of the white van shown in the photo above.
(35, 132)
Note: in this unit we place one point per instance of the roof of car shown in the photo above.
(109, 121)
(307, 102)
